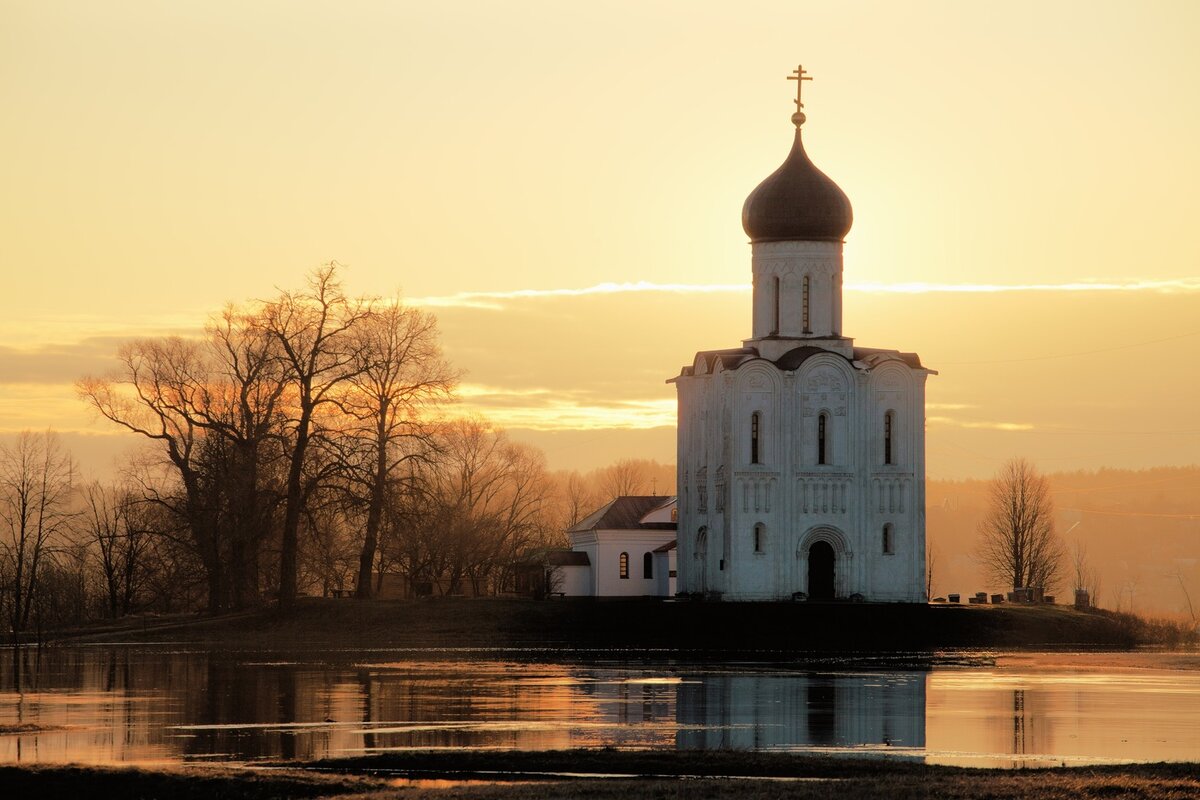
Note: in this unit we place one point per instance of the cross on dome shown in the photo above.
(799, 76)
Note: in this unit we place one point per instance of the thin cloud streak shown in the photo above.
(495, 300)
(990, 426)
(491, 299)
(562, 415)
(1176, 286)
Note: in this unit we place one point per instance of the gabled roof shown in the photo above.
(875, 355)
(625, 514)
(792, 359)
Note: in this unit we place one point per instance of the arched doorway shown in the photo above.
(821, 571)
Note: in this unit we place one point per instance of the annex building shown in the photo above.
(801, 456)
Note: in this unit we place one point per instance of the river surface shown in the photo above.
(154, 705)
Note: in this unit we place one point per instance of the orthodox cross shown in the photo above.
(799, 76)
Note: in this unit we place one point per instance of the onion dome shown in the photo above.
(797, 202)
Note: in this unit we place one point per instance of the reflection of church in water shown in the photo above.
(789, 711)
(801, 457)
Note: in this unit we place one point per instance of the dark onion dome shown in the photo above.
(797, 202)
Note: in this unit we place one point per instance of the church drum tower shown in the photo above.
(801, 457)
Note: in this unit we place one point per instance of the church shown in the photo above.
(801, 456)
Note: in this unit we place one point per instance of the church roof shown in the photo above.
(797, 202)
(874, 355)
(791, 360)
(625, 513)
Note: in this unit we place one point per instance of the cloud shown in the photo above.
(552, 410)
(1176, 286)
(57, 363)
(492, 300)
(980, 425)
(496, 300)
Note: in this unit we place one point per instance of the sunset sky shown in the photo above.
(561, 183)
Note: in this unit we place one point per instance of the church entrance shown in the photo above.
(820, 571)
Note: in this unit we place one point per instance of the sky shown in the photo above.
(561, 183)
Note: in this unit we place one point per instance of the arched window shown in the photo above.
(754, 423)
(623, 566)
(888, 425)
(889, 539)
(702, 542)
(648, 566)
(760, 538)
(822, 439)
(775, 297)
(804, 300)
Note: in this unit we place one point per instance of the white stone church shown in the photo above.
(801, 456)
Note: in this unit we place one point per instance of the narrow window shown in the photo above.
(804, 305)
(759, 538)
(775, 324)
(822, 451)
(623, 566)
(648, 566)
(889, 544)
(887, 436)
(754, 438)
(702, 542)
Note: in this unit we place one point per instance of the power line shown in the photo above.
(1193, 516)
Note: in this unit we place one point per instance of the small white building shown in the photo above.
(630, 549)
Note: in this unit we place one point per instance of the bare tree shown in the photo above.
(1086, 577)
(117, 523)
(36, 477)
(149, 396)
(487, 502)
(314, 331)
(1017, 544)
(212, 406)
(628, 476)
(578, 499)
(1187, 596)
(400, 374)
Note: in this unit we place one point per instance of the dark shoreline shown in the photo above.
(609, 774)
(645, 628)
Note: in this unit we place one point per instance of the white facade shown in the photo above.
(801, 458)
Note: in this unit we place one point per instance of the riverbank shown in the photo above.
(644, 625)
(614, 774)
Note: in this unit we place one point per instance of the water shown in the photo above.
(151, 705)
